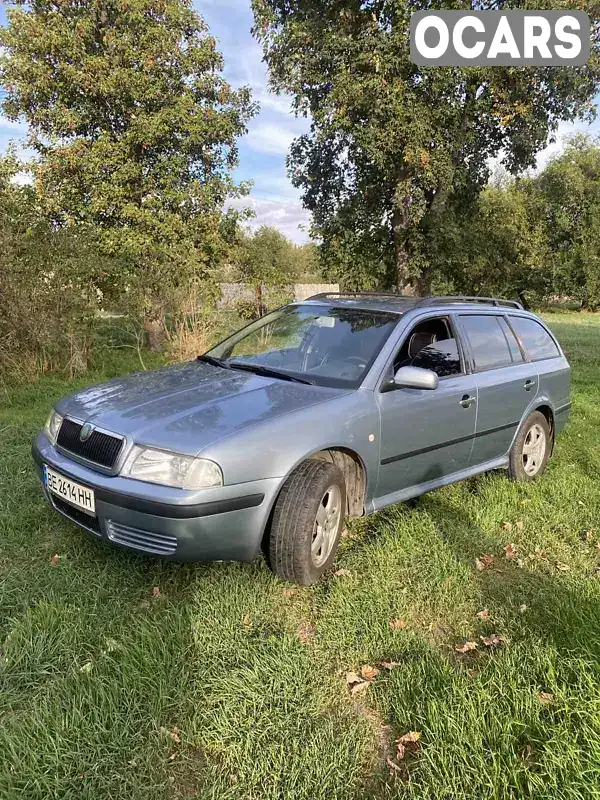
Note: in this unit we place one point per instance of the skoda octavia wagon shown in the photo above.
(339, 405)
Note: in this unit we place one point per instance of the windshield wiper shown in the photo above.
(268, 372)
(216, 362)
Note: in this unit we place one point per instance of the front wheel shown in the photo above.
(531, 449)
(307, 522)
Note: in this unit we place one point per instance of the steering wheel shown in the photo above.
(356, 360)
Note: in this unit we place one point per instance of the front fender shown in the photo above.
(274, 448)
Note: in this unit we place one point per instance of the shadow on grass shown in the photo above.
(562, 611)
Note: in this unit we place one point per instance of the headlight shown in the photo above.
(171, 469)
(53, 424)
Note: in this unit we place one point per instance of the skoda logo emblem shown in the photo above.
(85, 432)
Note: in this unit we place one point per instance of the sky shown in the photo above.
(263, 151)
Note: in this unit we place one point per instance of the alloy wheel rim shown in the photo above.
(534, 449)
(326, 526)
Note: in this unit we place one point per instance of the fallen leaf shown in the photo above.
(400, 751)
(519, 524)
(55, 560)
(369, 672)
(546, 698)
(397, 624)
(389, 664)
(510, 551)
(86, 668)
(494, 639)
(247, 621)
(484, 562)
(172, 757)
(507, 526)
(393, 765)
(562, 567)
(353, 677)
(523, 608)
(483, 615)
(173, 734)
(464, 648)
(341, 572)
(155, 591)
(290, 592)
(345, 533)
(358, 688)
(412, 737)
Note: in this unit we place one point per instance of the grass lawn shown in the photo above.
(123, 677)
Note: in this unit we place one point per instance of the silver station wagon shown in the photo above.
(339, 405)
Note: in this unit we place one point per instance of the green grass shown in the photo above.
(228, 685)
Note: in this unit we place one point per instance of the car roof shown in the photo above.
(400, 304)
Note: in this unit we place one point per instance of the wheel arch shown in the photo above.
(354, 472)
(548, 412)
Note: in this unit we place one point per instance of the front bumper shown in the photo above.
(222, 524)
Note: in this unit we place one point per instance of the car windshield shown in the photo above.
(324, 345)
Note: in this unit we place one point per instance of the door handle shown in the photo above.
(467, 401)
(529, 384)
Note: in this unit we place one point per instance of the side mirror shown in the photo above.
(415, 378)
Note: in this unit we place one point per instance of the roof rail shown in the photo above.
(421, 301)
(392, 295)
(491, 301)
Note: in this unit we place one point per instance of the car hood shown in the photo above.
(189, 406)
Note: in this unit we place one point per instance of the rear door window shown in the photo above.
(535, 338)
(490, 345)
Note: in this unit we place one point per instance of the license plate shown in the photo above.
(74, 493)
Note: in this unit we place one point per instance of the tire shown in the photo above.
(293, 551)
(526, 462)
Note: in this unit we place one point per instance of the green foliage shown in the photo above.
(394, 146)
(568, 192)
(540, 235)
(135, 130)
(47, 293)
(266, 259)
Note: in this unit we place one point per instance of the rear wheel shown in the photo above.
(307, 522)
(531, 449)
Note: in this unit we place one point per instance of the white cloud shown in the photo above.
(270, 138)
(284, 213)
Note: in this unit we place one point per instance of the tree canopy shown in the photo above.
(134, 127)
(393, 145)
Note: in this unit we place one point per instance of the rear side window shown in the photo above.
(491, 341)
(535, 338)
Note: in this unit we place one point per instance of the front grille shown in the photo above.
(77, 516)
(100, 448)
(157, 543)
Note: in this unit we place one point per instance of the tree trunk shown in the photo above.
(260, 306)
(155, 334)
(401, 253)
(424, 281)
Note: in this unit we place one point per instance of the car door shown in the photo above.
(506, 383)
(426, 435)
